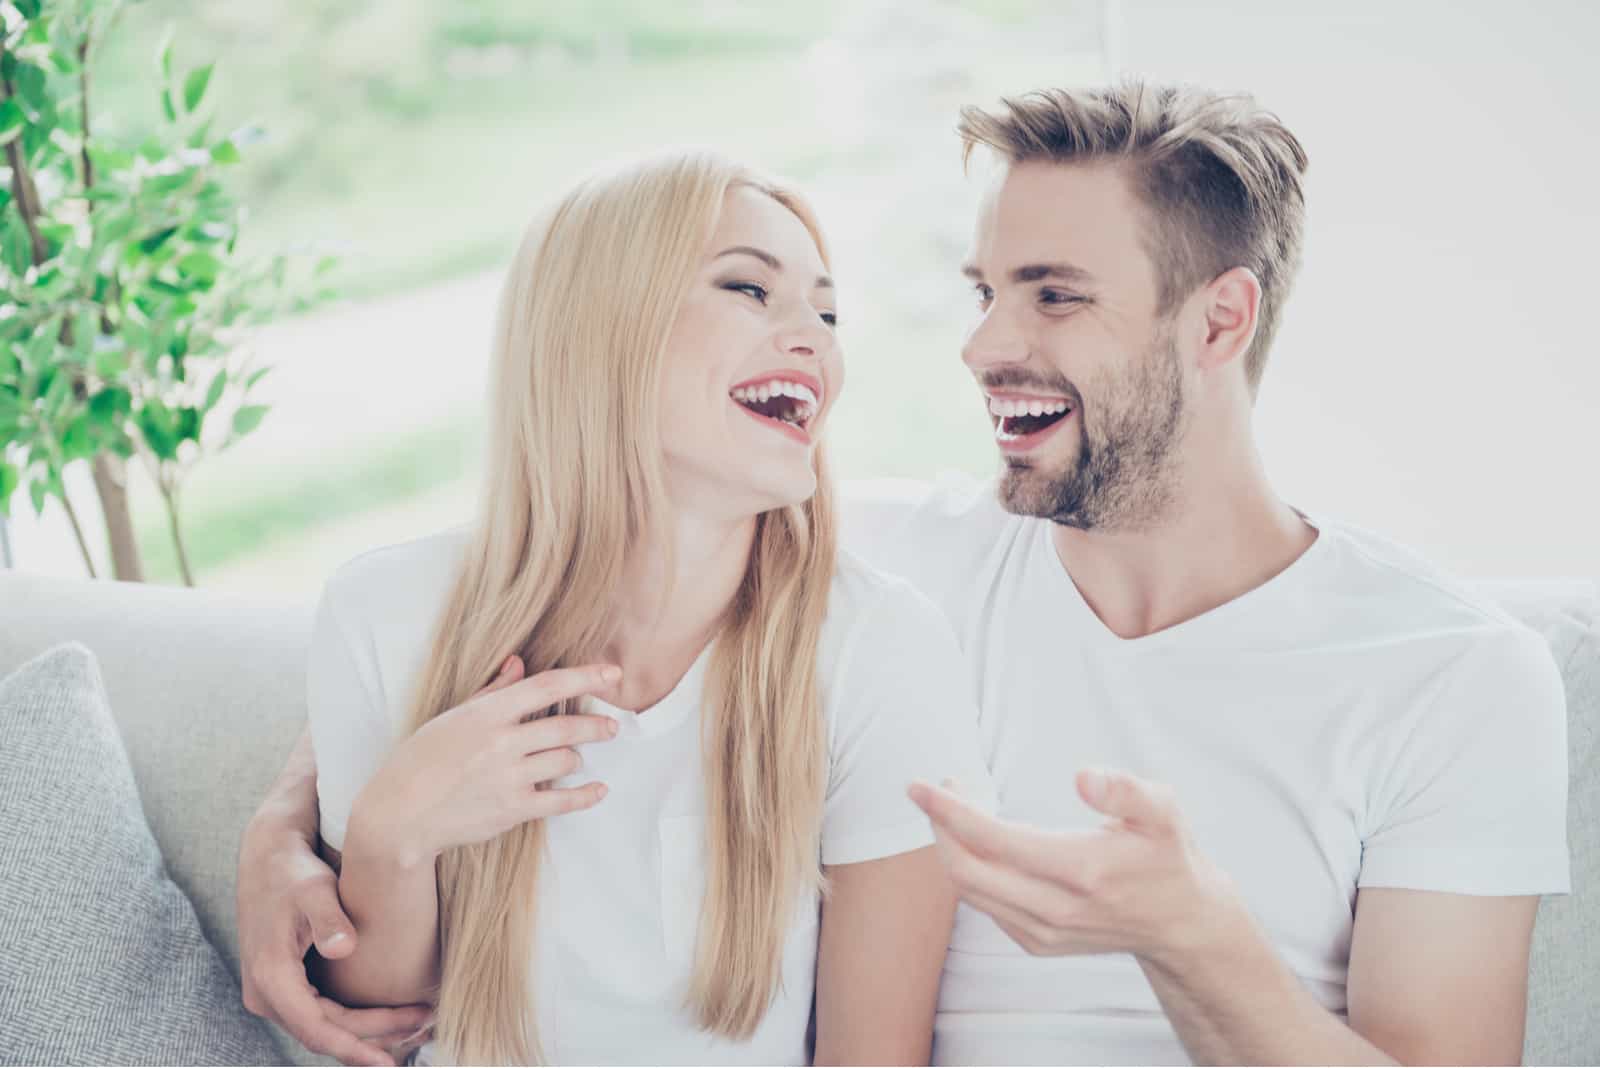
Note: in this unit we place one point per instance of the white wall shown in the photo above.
(1437, 376)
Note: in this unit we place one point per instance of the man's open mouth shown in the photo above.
(1021, 417)
(791, 404)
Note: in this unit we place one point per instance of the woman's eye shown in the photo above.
(984, 293)
(831, 318)
(750, 288)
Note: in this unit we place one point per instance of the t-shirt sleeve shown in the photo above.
(1476, 799)
(350, 729)
(903, 708)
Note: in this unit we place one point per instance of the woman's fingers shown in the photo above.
(510, 672)
(551, 687)
(548, 765)
(542, 804)
(558, 732)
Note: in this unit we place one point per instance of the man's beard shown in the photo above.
(1123, 475)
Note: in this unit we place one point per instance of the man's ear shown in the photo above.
(1229, 305)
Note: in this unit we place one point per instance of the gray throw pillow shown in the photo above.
(102, 960)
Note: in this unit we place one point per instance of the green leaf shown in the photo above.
(78, 441)
(37, 491)
(255, 376)
(159, 428)
(29, 8)
(225, 151)
(201, 265)
(189, 424)
(8, 485)
(32, 87)
(111, 405)
(165, 54)
(16, 249)
(194, 86)
(12, 122)
(248, 418)
(214, 394)
(156, 240)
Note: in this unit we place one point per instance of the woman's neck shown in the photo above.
(657, 640)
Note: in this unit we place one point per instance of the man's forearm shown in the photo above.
(1234, 1001)
(292, 799)
(394, 904)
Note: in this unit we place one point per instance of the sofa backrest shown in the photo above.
(208, 691)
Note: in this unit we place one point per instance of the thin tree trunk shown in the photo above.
(111, 482)
(171, 498)
(77, 532)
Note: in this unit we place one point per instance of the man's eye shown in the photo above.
(1055, 296)
(984, 293)
(831, 318)
(749, 288)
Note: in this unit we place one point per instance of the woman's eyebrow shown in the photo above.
(822, 282)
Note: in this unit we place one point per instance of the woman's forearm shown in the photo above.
(393, 900)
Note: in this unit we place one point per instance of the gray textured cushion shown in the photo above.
(101, 957)
(1564, 974)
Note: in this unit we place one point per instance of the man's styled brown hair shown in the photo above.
(1220, 177)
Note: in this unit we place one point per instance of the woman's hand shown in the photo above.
(476, 770)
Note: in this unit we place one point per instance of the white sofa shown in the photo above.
(207, 690)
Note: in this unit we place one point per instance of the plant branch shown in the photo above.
(77, 532)
(22, 187)
(169, 494)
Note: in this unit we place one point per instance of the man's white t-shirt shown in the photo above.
(620, 897)
(1357, 721)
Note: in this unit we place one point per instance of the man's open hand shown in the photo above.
(1135, 885)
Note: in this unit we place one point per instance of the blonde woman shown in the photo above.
(617, 773)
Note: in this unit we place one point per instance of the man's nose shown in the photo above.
(993, 341)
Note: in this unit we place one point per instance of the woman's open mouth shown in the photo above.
(1022, 423)
(785, 405)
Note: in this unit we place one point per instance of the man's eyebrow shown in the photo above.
(822, 282)
(1037, 272)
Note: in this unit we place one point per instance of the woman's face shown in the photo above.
(752, 365)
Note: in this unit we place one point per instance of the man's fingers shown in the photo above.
(1003, 892)
(1127, 797)
(1046, 854)
(550, 687)
(317, 900)
(381, 1024)
(302, 1013)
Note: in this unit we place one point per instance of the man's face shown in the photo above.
(1085, 386)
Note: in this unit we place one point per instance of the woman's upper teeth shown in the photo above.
(1011, 408)
(776, 388)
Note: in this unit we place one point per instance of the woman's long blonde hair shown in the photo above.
(574, 481)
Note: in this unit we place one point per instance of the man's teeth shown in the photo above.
(1010, 408)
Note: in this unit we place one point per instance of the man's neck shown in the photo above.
(1216, 542)
(658, 638)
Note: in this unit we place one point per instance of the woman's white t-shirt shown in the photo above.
(620, 897)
